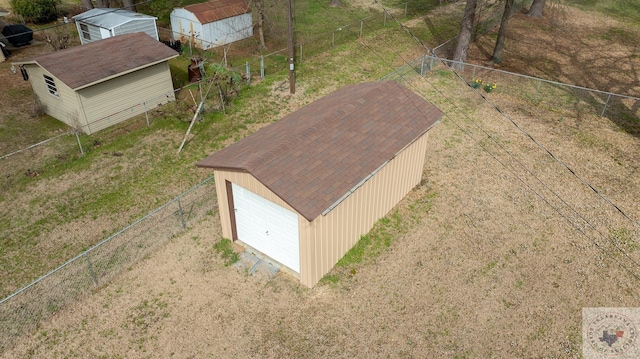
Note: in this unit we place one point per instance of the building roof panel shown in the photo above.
(215, 10)
(332, 140)
(84, 65)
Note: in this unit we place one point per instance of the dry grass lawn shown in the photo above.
(497, 250)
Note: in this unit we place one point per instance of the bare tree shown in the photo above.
(58, 38)
(129, 5)
(261, 18)
(502, 34)
(464, 39)
(87, 4)
(536, 8)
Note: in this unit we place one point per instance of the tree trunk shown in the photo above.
(102, 3)
(129, 5)
(336, 3)
(464, 39)
(502, 34)
(536, 8)
(87, 4)
(260, 8)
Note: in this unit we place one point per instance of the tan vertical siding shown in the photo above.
(121, 98)
(338, 231)
(64, 107)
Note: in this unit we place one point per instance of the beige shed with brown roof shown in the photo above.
(304, 189)
(94, 86)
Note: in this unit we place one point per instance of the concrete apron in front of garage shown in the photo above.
(256, 265)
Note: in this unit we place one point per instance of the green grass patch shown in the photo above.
(380, 237)
(225, 249)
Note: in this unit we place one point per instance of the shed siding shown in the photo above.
(147, 26)
(324, 241)
(94, 33)
(65, 107)
(183, 23)
(226, 31)
(120, 98)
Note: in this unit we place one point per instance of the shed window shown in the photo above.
(51, 85)
(85, 32)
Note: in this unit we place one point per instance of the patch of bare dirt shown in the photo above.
(570, 46)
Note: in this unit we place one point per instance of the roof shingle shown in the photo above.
(215, 10)
(314, 156)
(83, 65)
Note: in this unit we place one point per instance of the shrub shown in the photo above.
(36, 11)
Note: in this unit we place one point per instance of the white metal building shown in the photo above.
(213, 23)
(97, 24)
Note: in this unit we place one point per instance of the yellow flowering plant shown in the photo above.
(476, 83)
(490, 87)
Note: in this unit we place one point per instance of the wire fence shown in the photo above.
(624, 110)
(274, 61)
(31, 160)
(22, 311)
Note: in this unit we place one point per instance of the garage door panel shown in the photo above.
(267, 227)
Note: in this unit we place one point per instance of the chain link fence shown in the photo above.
(622, 109)
(22, 311)
(277, 60)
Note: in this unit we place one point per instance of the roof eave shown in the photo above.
(122, 73)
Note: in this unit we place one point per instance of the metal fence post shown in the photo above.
(605, 105)
(93, 275)
(333, 39)
(405, 8)
(261, 66)
(146, 114)
(537, 91)
(424, 57)
(79, 143)
(361, 21)
(248, 74)
(300, 60)
(384, 22)
(184, 225)
(431, 63)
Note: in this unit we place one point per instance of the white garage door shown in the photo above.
(267, 227)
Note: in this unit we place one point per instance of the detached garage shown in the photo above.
(94, 86)
(303, 190)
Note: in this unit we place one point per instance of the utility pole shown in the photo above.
(292, 84)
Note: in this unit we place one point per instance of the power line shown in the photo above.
(529, 171)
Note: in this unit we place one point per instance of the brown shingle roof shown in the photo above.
(218, 9)
(314, 156)
(84, 65)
